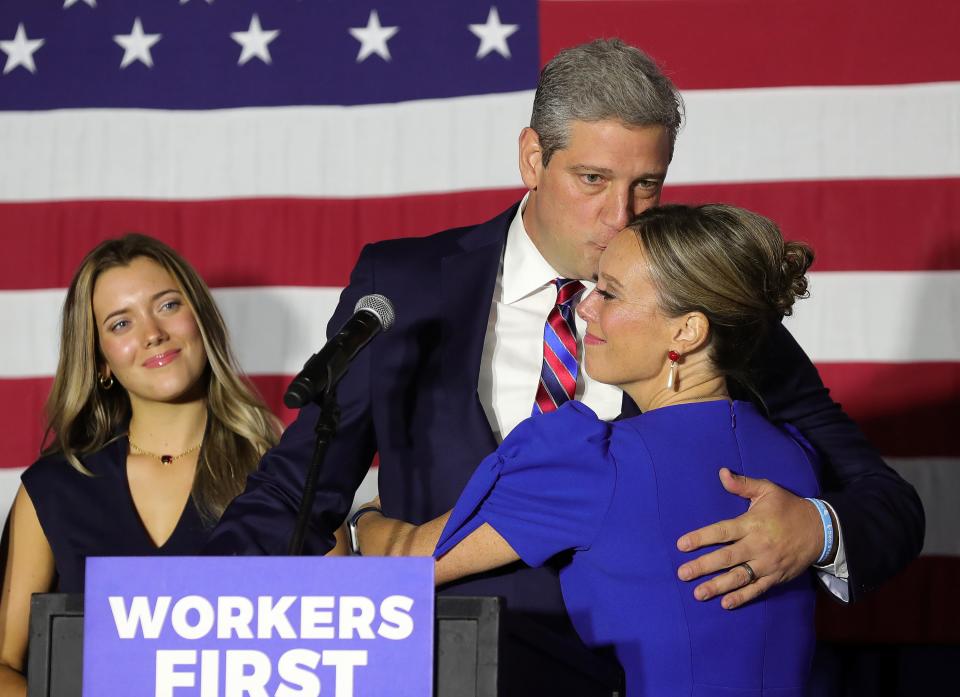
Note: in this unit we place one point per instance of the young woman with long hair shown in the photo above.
(151, 431)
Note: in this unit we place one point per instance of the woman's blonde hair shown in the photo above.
(732, 265)
(82, 418)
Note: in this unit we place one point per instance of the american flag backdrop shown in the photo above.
(268, 141)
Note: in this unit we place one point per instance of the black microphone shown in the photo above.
(372, 314)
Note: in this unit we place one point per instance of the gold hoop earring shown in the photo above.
(106, 382)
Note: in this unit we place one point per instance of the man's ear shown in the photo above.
(692, 331)
(531, 162)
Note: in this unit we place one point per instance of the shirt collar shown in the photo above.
(525, 271)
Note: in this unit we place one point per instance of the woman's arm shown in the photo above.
(30, 569)
(386, 537)
(481, 550)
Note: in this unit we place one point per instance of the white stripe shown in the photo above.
(807, 133)
(33, 334)
(885, 317)
(460, 144)
(937, 481)
(413, 147)
(888, 317)
(273, 330)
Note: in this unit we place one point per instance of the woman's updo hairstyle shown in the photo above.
(728, 263)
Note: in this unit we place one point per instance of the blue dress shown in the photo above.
(619, 495)
(85, 516)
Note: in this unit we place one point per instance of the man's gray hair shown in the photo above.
(604, 79)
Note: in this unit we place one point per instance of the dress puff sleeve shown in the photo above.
(546, 489)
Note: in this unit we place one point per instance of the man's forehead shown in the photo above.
(612, 125)
(610, 145)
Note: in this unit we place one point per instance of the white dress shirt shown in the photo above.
(513, 355)
(513, 346)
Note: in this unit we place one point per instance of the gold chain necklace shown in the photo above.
(164, 459)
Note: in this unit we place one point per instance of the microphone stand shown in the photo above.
(326, 428)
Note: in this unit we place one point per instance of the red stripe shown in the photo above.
(567, 381)
(920, 606)
(245, 242)
(545, 399)
(854, 225)
(907, 410)
(271, 388)
(21, 413)
(568, 291)
(562, 330)
(314, 242)
(705, 44)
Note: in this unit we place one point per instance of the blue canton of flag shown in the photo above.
(219, 54)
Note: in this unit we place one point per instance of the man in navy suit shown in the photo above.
(461, 366)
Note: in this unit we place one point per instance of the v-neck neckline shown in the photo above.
(124, 475)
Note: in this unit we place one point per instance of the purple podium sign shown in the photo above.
(258, 627)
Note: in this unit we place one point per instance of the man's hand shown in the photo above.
(779, 536)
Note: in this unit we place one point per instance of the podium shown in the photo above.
(465, 660)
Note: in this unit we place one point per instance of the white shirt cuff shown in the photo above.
(835, 576)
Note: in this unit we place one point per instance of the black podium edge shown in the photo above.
(486, 611)
(46, 607)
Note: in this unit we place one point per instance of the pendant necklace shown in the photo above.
(164, 459)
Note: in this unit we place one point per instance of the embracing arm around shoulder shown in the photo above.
(879, 517)
(30, 569)
(879, 513)
(481, 550)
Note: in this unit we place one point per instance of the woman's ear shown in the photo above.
(531, 162)
(692, 331)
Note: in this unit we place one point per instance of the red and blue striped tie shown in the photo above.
(558, 374)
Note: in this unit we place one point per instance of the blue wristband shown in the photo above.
(827, 529)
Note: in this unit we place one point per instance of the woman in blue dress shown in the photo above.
(151, 431)
(683, 299)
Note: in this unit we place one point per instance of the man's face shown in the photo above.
(590, 190)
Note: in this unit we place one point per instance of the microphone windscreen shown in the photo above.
(378, 305)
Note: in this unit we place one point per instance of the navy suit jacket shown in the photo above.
(411, 396)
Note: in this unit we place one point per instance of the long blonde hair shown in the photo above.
(81, 418)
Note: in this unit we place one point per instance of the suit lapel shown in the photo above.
(628, 408)
(468, 280)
